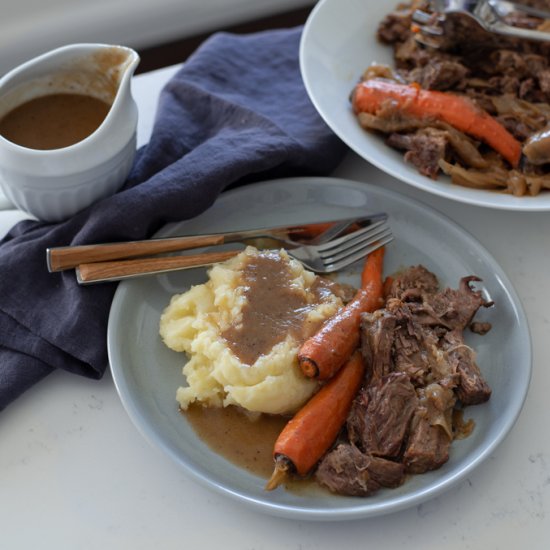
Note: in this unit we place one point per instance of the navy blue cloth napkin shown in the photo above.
(237, 112)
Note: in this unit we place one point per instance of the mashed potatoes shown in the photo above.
(242, 330)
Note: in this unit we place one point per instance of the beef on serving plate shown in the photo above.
(424, 148)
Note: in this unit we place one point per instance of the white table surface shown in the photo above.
(75, 472)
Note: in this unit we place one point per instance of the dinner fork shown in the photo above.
(488, 14)
(323, 258)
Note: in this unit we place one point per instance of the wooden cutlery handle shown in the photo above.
(67, 257)
(113, 271)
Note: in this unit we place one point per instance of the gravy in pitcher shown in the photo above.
(54, 121)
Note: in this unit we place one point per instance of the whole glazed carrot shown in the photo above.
(461, 113)
(310, 433)
(321, 355)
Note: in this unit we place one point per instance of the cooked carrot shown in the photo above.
(461, 113)
(311, 231)
(314, 230)
(310, 433)
(321, 355)
(371, 276)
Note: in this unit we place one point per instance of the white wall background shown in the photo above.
(31, 27)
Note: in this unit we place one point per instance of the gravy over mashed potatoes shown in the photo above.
(242, 330)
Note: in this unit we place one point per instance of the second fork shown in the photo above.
(488, 14)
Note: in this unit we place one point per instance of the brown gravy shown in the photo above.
(273, 309)
(247, 443)
(232, 434)
(53, 121)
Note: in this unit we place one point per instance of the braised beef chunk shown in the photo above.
(425, 148)
(431, 430)
(472, 388)
(377, 337)
(480, 327)
(422, 313)
(415, 281)
(344, 471)
(380, 416)
(412, 355)
(394, 27)
(441, 74)
(347, 471)
(428, 445)
(456, 307)
(416, 345)
(386, 473)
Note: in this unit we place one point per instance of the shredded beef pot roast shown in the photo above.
(419, 373)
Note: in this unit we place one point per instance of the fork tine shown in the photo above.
(430, 30)
(343, 251)
(426, 25)
(358, 255)
(357, 244)
(427, 41)
(341, 228)
(336, 244)
(503, 8)
(488, 14)
(422, 17)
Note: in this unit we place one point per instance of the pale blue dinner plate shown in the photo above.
(147, 373)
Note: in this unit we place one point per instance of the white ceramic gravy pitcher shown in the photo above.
(53, 184)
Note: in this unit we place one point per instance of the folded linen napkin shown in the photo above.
(237, 112)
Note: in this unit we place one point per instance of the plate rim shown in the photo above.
(396, 504)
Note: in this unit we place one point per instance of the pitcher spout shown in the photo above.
(114, 67)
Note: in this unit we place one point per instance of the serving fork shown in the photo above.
(488, 14)
(328, 257)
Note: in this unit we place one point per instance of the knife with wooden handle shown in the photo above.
(100, 272)
(68, 257)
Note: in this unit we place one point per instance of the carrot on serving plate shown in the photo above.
(461, 113)
(310, 433)
(321, 355)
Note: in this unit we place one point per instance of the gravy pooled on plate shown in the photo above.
(244, 441)
(53, 121)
